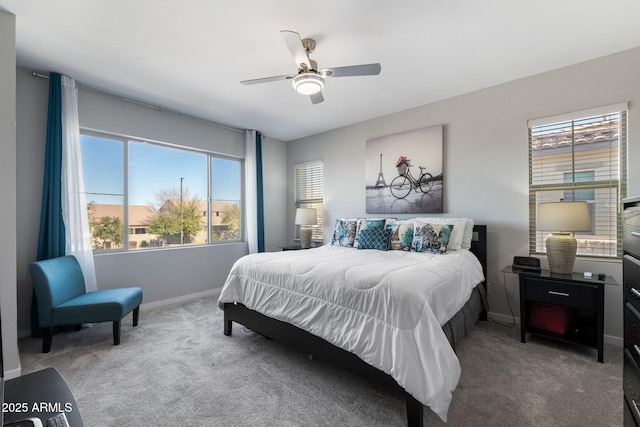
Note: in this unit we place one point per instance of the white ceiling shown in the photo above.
(190, 55)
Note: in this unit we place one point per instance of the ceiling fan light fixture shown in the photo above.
(308, 83)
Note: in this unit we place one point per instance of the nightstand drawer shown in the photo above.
(631, 381)
(627, 416)
(632, 331)
(631, 230)
(631, 274)
(565, 294)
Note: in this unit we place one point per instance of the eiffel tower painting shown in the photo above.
(424, 147)
(380, 182)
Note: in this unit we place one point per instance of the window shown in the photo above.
(309, 190)
(225, 199)
(161, 194)
(103, 167)
(580, 156)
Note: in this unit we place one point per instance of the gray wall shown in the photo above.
(167, 274)
(8, 193)
(486, 161)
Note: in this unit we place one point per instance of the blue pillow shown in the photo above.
(365, 223)
(373, 238)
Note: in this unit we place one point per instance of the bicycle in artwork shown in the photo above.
(402, 185)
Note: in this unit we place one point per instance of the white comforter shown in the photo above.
(386, 307)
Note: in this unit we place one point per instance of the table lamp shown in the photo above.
(304, 218)
(562, 218)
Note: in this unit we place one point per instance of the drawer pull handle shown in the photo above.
(636, 413)
(635, 233)
(637, 349)
(562, 294)
(635, 292)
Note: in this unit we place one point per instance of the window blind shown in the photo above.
(580, 156)
(309, 191)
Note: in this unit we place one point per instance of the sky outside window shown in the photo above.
(225, 179)
(102, 163)
(153, 169)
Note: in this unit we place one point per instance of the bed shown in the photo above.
(393, 316)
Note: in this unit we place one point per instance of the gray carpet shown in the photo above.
(177, 368)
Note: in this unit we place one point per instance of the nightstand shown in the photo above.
(291, 248)
(576, 301)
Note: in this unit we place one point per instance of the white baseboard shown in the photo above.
(503, 318)
(13, 373)
(180, 299)
(155, 304)
(613, 340)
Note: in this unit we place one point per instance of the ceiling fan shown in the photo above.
(309, 80)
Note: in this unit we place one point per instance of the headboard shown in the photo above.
(479, 248)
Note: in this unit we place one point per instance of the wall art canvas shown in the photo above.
(404, 172)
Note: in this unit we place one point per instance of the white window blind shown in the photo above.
(580, 156)
(309, 191)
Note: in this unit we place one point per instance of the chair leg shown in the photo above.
(116, 332)
(136, 315)
(47, 334)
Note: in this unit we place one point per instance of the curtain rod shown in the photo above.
(144, 104)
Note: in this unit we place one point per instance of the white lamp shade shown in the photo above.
(563, 216)
(306, 216)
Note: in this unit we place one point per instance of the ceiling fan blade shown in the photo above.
(267, 79)
(352, 70)
(316, 98)
(294, 43)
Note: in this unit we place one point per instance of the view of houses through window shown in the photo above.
(148, 195)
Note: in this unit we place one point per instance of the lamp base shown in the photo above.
(305, 237)
(561, 252)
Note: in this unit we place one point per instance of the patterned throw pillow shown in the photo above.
(462, 231)
(401, 235)
(344, 233)
(373, 238)
(432, 238)
(367, 223)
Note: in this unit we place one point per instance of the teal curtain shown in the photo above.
(51, 240)
(260, 201)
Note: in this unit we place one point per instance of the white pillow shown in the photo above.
(468, 234)
(462, 232)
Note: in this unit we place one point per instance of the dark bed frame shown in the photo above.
(318, 347)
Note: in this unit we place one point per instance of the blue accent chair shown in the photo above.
(62, 300)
